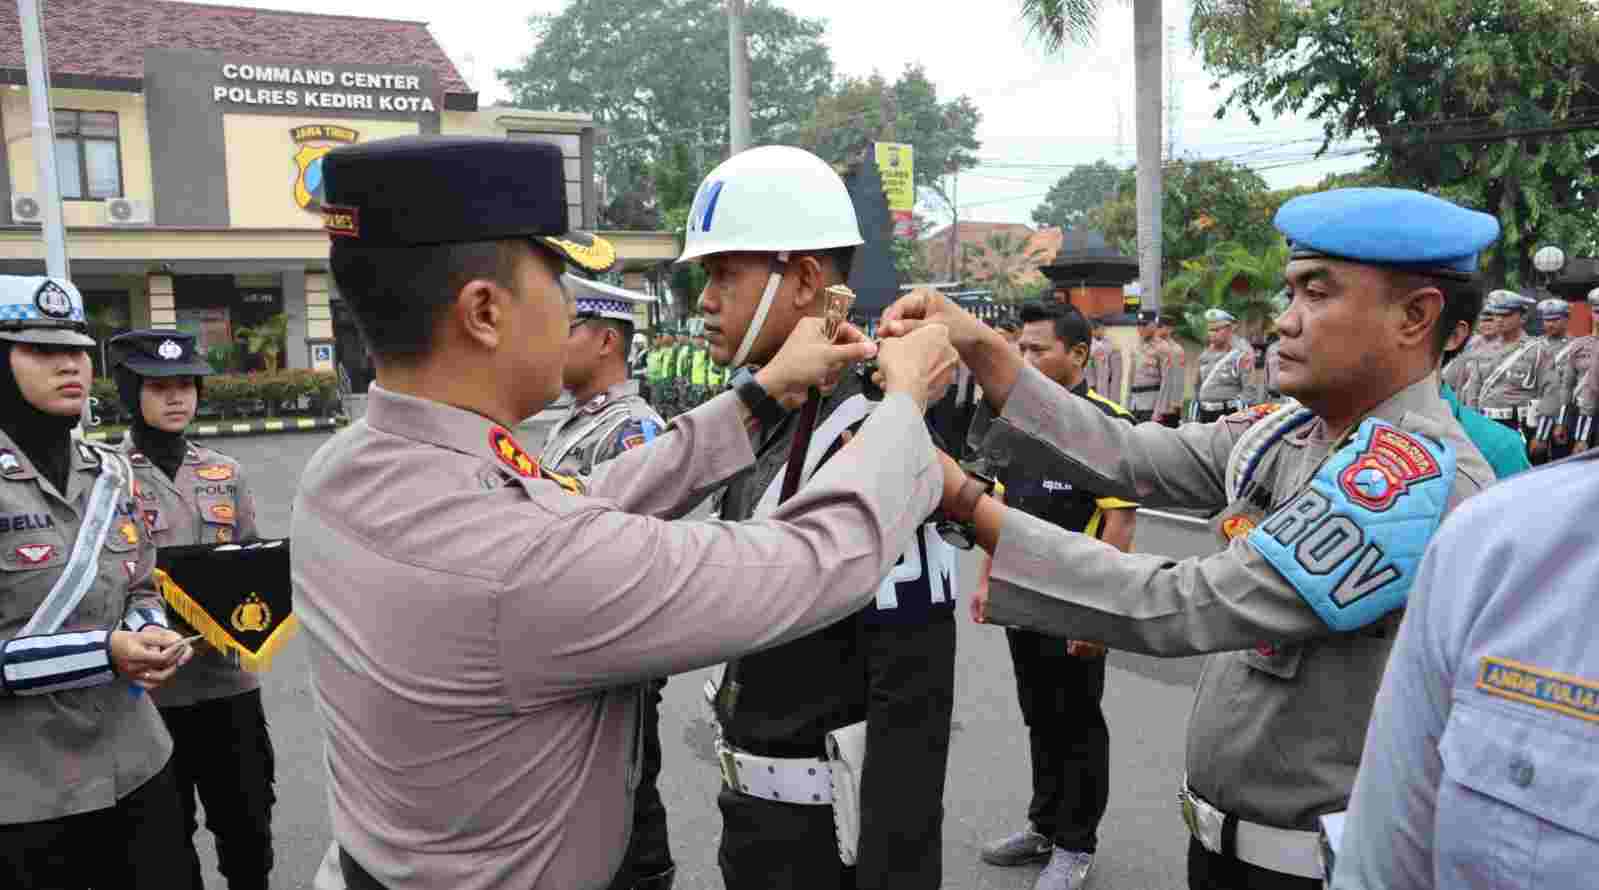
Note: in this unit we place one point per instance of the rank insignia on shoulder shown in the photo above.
(215, 472)
(511, 453)
(631, 442)
(138, 459)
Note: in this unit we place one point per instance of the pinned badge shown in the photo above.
(152, 518)
(510, 453)
(215, 472)
(129, 532)
(34, 554)
(222, 513)
(225, 534)
(169, 350)
(9, 465)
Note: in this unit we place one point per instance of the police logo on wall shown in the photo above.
(53, 300)
(315, 141)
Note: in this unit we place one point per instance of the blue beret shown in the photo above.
(421, 190)
(1388, 227)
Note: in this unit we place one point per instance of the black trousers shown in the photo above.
(1213, 871)
(1143, 416)
(1060, 698)
(911, 692)
(1212, 416)
(222, 753)
(135, 845)
(649, 855)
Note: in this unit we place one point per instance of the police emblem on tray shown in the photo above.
(252, 615)
(315, 141)
(1387, 469)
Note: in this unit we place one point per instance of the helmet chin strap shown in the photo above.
(753, 332)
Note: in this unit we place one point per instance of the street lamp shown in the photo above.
(1549, 260)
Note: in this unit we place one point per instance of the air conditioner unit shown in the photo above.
(127, 212)
(26, 209)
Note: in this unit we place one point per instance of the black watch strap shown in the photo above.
(768, 411)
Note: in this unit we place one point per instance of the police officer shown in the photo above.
(1486, 336)
(881, 681)
(1520, 374)
(1502, 447)
(1380, 277)
(479, 628)
(1478, 764)
(89, 797)
(1105, 373)
(191, 494)
(1151, 368)
(609, 417)
(1176, 381)
(1271, 390)
(700, 371)
(1224, 369)
(683, 372)
(1570, 364)
(1060, 682)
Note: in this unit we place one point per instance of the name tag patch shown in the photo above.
(1539, 687)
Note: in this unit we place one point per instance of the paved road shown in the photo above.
(1146, 702)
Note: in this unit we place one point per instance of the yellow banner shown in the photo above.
(896, 164)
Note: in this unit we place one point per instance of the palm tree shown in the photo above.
(267, 339)
(1229, 276)
(1057, 22)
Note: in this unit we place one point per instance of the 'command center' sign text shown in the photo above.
(288, 86)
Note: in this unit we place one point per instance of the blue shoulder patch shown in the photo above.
(1351, 542)
(649, 429)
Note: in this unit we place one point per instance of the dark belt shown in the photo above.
(1155, 388)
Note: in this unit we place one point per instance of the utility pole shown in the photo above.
(44, 154)
(738, 58)
(1173, 94)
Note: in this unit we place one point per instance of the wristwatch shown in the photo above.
(962, 535)
(767, 411)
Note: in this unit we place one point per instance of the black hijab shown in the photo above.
(46, 439)
(164, 449)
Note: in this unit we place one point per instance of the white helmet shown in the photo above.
(1593, 297)
(773, 199)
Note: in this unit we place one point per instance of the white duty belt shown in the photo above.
(1282, 850)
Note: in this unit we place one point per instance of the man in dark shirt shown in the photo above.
(1059, 682)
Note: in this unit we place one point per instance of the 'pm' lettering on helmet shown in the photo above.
(699, 218)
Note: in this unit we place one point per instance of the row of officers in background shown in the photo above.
(1539, 386)
(677, 370)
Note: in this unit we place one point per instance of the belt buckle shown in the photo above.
(729, 766)
(1204, 822)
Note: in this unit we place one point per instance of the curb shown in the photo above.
(248, 428)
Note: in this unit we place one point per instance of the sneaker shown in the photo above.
(1021, 848)
(1067, 870)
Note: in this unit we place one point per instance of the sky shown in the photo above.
(1041, 114)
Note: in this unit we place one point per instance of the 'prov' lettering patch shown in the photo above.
(1351, 542)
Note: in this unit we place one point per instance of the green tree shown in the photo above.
(1493, 104)
(1205, 204)
(1238, 278)
(1007, 265)
(654, 72)
(267, 339)
(861, 111)
(1077, 194)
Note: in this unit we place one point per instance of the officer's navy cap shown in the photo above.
(1553, 308)
(158, 354)
(1404, 229)
(595, 299)
(423, 190)
(37, 309)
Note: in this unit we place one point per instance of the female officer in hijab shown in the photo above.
(89, 799)
(190, 494)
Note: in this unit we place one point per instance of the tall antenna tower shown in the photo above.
(1173, 93)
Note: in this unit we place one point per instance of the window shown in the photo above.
(88, 155)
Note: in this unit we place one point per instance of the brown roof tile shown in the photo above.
(107, 38)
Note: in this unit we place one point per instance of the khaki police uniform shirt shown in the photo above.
(1571, 362)
(1518, 375)
(1224, 374)
(478, 633)
(208, 502)
(1107, 372)
(1152, 367)
(615, 421)
(1281, 709)
(80, 750)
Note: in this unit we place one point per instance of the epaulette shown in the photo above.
(1264, 431)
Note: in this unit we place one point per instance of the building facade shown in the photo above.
(188, 145)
